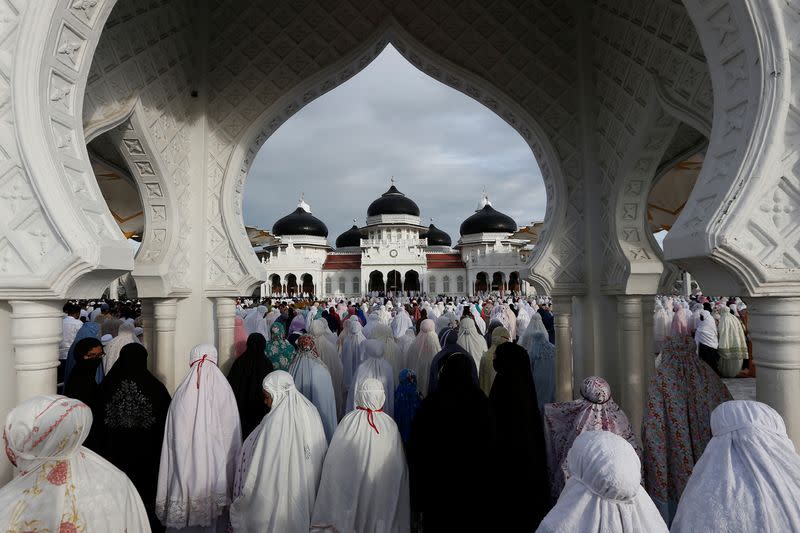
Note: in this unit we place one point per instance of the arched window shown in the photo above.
(432, 284)
(328, 285)
(446, 284)
(342, 287)
(356, 285)
(460, 284)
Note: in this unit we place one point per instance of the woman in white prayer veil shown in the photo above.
(280, 464)
(201, 440)
(372, 319)
(480, 323)
(511, 318)
(523, 319)
(604, 491)
(310, 316)
(328, 355)
(270, 319)
(352, 352)
(392, 352)
(364, 484)
(252, 318)
(421, 353)
(534, 326)
(313, 380)
(748, 478)
(401, 322)
(127, 335)
(732, 344)
(374, 367)
(471, 340)
(58, 485)
(404, 343)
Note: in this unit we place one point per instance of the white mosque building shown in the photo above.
(395, 253)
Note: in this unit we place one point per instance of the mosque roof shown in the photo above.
(444, 261)
(393, 202)
(487, 220)
(351, 237)
(342, 262)
(300, 222)
(436, 237)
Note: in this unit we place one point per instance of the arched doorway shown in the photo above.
(291, 284)
(498, 281)
(411, 281)
(307, 284)
(513, 282)
(376, 283)
(482, 282)
(275, 284)
(394, 281)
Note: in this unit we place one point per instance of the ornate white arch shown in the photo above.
(435, 66)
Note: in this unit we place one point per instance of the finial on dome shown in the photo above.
(355, 223)
(392, 180)
(302, 203)
(484, 201)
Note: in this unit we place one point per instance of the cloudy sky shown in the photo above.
(441, 146)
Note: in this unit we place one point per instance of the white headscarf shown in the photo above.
(127, 335)
(471, 340)
(329, 355)
(523, 319)
(421, 353)
(201, 439)
(352, 351)
(373, 367)
(404, 343)
(604, 491)
(254, 321)
(480, 323)
(748, 478)
(59, 485)
(706, 330)
(279, 467)
(392, 352)
(401, 322)
(732, 340)
(312, 379)
(364, 483)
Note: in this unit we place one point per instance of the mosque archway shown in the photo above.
(291, 284)
(376, 283)
(275, 284)
(498, 281)
(394, 281)
(307, 284)
(482, 282)
(411, 281)
(513, 282)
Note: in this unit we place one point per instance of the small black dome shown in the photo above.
(300, 222)
(393, 202)
(488, 220)
(436, 237)
(351, 237)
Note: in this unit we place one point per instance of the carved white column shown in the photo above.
(148, 335)
(562, 311)
(226, 313)
(687, 285)
(165, 312)
(35, 335)
(632, 369)
(775, 331)
(113, 290)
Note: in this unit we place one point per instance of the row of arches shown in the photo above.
(291, 284)
(394, 281)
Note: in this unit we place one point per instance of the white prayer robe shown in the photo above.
(471, 340)
(313, 380)
(59, 485)
(364, 483)
(279, 467)
(330, 356)
(421, 353)
(201, 441)
(374, 367)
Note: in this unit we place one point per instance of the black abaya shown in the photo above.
(522, 491)
(82, 385)
(246, 376)
(131, 415)
(451, 428)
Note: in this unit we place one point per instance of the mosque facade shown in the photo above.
(394, 253)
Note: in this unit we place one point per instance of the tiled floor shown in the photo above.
(742, 388)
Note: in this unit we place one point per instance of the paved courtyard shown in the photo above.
(742, 388)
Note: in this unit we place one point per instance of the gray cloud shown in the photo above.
(441, 146)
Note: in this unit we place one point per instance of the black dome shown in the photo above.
(393, 202)
(300, 222)
(436, 237)
(351, 237)
(488, 220)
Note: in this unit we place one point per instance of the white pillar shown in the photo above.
(775, 331)
(113, 290)
(632, 370)
(687, 285)
(226, 314)
(165, 312)
(35, 334)
(149, 333)
(562, 311)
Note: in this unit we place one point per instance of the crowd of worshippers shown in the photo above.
(718, 325)
(382, 416)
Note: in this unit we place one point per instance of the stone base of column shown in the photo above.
(36, 335)
(165, 312)
(226, 314)
(562, 313)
